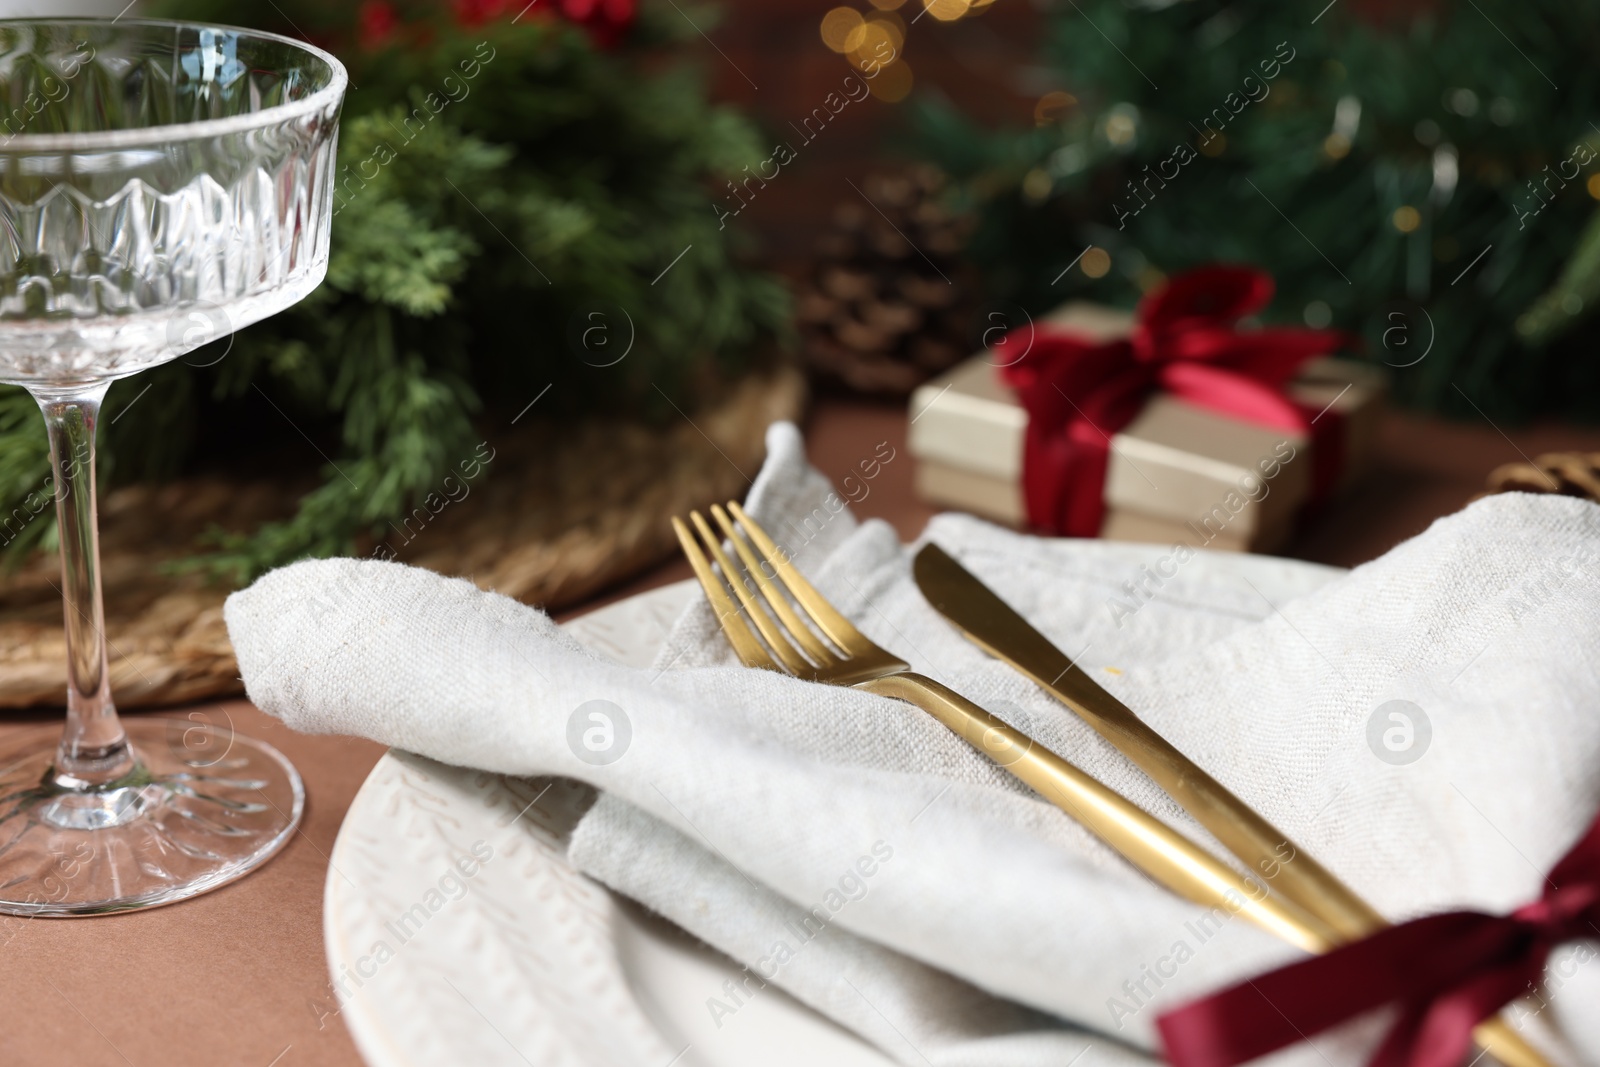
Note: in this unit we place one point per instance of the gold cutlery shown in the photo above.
(772, 633)
(993, 625)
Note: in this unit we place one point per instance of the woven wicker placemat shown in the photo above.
(563, 512)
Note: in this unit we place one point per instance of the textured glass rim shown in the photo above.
(144, 136)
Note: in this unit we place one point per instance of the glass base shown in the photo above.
(201, 807)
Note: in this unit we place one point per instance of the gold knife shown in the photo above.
(998, 629)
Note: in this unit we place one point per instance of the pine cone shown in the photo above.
(1565, 473)
(885, 307)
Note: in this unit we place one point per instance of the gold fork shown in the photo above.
(771, 634)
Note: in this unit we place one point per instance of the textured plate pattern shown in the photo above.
(426, 954)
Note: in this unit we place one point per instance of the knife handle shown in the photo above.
(1162, 853)
(1267, 851)
(1249, 836)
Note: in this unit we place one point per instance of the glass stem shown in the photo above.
(93, 748)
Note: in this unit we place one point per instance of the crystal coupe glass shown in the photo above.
(161, 184)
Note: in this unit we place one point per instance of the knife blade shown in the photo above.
(997, 628)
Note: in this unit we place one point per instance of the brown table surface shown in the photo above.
(238, 976)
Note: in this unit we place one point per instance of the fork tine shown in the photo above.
(787, 654)
(838, 628)
(745, 645)
(813, 646)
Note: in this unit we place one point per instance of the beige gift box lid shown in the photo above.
(1176, 461)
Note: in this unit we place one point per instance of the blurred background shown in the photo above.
(589, 249)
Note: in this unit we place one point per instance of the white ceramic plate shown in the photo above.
(517, 959)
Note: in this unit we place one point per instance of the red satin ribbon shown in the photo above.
(1186, 342)
(1447, 973)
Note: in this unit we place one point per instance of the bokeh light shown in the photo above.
(1121, 129)
(1036, 186)
(838, 25)
(947, 10)
(874, 40)
(1095, 263)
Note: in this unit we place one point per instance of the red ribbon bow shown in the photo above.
(1446, 972)
(1185, 341)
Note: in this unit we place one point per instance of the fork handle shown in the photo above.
(1152, 846)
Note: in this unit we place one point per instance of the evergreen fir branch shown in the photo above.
(404, 428)
(1574, 295)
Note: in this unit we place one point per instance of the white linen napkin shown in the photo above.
(755, 810)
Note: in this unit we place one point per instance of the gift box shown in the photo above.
(1178, 470)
